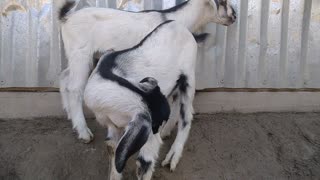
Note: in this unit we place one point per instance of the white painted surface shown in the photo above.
(250, 102)
(31, 105)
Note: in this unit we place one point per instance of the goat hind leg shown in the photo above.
(114, 135)
(184, 126)
(79, 70)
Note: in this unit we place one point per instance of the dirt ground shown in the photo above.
(220, 146)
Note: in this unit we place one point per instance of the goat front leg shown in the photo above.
(148, 156)
(184, 126)
(112, 139)
(79, 70)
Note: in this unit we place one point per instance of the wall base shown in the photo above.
(48, 104)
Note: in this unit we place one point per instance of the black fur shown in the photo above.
(132, 141)
(182, 84)
(65, 9)
(156, 101)
(144, 166)
(173, 9)
(183, 115)
(159, 108)
(175, 97)
(200, 37)
(234, 13)
(217, 3)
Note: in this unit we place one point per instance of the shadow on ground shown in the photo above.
(221, 146)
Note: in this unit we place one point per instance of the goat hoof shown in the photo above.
(111, 144)
(173, 166)
(172, 158)
(86, 136)
(164, 163)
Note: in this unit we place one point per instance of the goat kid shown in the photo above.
(123, 99)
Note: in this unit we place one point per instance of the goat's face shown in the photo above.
(221, 12)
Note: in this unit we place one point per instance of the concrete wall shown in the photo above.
(30, 105)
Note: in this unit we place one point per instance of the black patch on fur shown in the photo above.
(183, 115)
(65, 9)
(174, 97)
(234, 13)
(144, 80)
(144, 166)
(129, 144)
(200, 37)
(159, 108)
(183, 83)
(170, 10)
(217, 3)
(156, 101)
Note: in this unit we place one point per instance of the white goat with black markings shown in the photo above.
(129, 91)
(91, 30)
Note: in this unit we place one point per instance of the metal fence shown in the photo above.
(274, 44)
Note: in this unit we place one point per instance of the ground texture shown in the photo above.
(220, 146)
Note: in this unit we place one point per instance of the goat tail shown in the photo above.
(135, 136)
(64, 8)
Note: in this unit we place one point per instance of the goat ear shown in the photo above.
(135, 136)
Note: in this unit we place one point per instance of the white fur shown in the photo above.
(170, 47)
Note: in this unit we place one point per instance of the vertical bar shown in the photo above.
(2, 81)
(230, 61)
(112, 4)
(11, 47)
(264, 19)
(284, 43)
(243, 27)
(231, 54)
(157, 4)
(179, 1)
(55, 54)
(101, 3)
(168, 4)
(304, 42)
(148, 4)
(221, 36)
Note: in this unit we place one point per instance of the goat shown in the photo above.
(130, 89)
(91, 30)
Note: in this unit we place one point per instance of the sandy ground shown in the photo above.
(221, 146)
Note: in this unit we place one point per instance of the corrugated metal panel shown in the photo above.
(274, 44)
